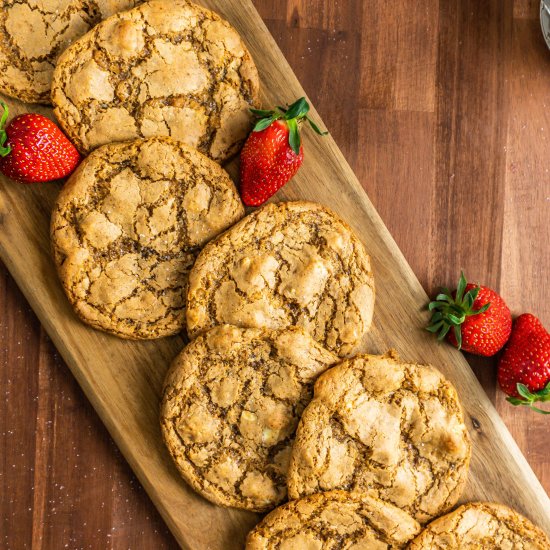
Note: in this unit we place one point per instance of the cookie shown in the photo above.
(389, 428)
(163, 68)
(127, 227)
(481, 525)
(34, 33)
(231, 403)
(286, 264)
(333, 521)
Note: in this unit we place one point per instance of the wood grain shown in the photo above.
(437, 109)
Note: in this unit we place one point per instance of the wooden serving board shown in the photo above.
(123, 379)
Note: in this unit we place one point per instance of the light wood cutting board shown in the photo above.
(123, 379)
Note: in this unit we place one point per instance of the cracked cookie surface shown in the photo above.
(163, 68)
(287, 264)
(389, 428)
(127, 227)
(333, 521)
(33, 33)
(231, 403)
(481, 525)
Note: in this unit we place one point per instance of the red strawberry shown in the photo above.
(33, 149)
(273, 153)
(524, 368)
(480, 319)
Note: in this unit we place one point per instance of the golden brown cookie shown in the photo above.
(293, 263)
(33, 33)
(231, 403)
(127, 227)
(481, 525)
(164, 68)
(333, 521)
(389, 428)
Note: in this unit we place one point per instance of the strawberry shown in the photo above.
(33, 149)
(273, 152)
(524, 368)
(480, 319)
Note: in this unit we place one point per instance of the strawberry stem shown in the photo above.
(450, 312)
(3, 135)
(293, 115)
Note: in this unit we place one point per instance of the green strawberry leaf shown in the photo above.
(444, 332)
(454, 320)
(316, 128)
(541, 395)
(298, 109)
(435, 327)
(458, 336)
(482, 309)
(263, 123)
(523, 390)
(261, 112)
(461, 287)
(544, 393)
(474, 292)
(5, 112)
(436, 317)
(469, 300)
(436, 304)
(4, 151)
(294, 135)
(515, 401)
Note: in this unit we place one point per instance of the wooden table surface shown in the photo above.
(443, 111)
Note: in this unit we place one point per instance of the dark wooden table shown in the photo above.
(443, 111)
